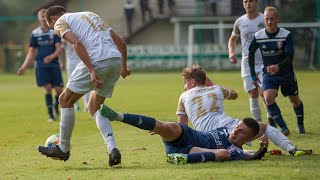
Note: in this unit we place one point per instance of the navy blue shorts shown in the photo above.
(49, 75)
(188, 139)
(288, 84)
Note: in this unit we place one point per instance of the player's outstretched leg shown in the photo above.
(106, 131)
(141, 122)
(109, 113)
(54, 152)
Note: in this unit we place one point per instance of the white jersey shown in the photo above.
(91, 30)
(72, 59)
(248, 27)
(204, 108)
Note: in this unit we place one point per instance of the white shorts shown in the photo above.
(247, 82)
(71, 66)
(108, 71)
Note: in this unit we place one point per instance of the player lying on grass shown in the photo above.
(186, 145)
(202, 104)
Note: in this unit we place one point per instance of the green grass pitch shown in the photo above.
(24, 126)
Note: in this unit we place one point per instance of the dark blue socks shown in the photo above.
(141, 122)
(276, 115)
(201, 157)
(49, 104)
(300, 117)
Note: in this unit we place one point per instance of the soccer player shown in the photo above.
(103, 54)
(185, 145)
(202, 104)
(245, 27)
(72, 60)
(45, 48)
(276, 46)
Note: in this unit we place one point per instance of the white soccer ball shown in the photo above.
(52, 140)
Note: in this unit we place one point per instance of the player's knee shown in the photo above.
(269, 100)
(64, 100)
(254, 93)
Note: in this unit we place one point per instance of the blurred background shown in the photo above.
(165, 35)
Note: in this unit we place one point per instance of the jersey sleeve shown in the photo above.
(61, 27)
(252, 49)
(288, 48)
(181, 109)
(57, 39)
(33, 42)
(226, 93)
(235, 153)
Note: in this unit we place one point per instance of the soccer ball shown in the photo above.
(52, 140)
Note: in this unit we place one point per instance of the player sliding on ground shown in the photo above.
(186, 145)
(202, 104)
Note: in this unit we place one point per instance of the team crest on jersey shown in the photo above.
(279, 44)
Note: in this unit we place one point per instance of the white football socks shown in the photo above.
(105, 129)
(255, 109)
(66, 128)
(278, 138)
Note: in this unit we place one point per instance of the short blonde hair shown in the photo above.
(271, 8)
(195, 72)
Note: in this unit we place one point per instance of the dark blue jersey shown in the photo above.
(276, 48)
(221, 141)
(215, 139)
(44, 42)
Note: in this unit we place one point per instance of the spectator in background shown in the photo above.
(213, 6)
(262, 5)
(45, 48)
(144, 5)
(171, 5)
(129, 12)
(160, 5)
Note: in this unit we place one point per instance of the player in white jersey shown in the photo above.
(103, 54)
(245, 27)
(72, 60)
(202, 104)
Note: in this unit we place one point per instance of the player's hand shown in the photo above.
(233, 58)
(255, 81)
(125, 72)
(21, 71)
(152, 133)
(95, 80)
(264, 142)
(273, 69)
(47, 59)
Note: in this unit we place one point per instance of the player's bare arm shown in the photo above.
(30, 56)
(55, 54)
(183, 119)
(209, 82)
(121, 45)
(232, 43)
(82, 53)
(229, 93)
